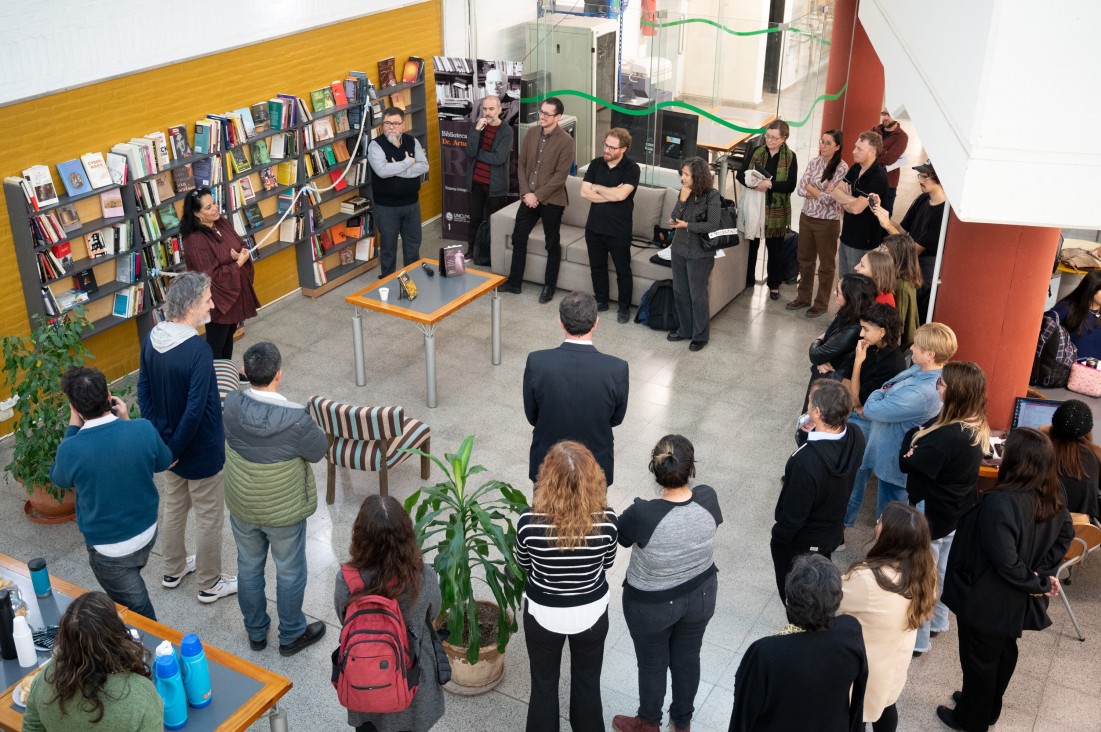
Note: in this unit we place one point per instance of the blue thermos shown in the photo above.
(170, 687)
(196, 674)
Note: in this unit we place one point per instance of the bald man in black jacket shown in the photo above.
(575, 392)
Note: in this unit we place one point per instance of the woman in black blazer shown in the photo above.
(831, 354)
(1001, 573)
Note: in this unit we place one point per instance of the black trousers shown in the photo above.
(526, 217)
(774, 267)
(888, 721)
(220, 338)
(988, 662)
(600, 246)
(482, 206)
(586, 662)
(783, 555)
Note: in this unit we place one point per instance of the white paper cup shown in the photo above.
(384, 293)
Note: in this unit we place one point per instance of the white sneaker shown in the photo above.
(171, 582)
(225, 586)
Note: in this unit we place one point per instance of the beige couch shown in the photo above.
(652, 205)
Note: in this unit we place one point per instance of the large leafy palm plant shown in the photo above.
(471, 528)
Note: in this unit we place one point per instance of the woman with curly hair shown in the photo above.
(384, 552)
(696, 214)
(99, 677)
(669, 595)
(566, 542)
(891, 592)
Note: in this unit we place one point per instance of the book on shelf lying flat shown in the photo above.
(354, 205)
(74, 177)
(70, 298)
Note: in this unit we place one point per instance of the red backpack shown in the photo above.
(375, 667)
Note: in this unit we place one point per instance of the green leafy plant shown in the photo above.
(33, 366)
(471, 528)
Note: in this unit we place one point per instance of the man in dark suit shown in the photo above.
(575, 392)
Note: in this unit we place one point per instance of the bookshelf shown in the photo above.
(146, 232)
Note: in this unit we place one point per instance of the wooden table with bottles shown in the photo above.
(243, 691)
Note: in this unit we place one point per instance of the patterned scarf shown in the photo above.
(777, 205)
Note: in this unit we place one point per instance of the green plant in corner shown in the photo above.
(33, 366)
(471, 527)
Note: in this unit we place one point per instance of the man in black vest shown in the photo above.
(398, 161)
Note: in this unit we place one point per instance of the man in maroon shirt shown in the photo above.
(893, 158)
(488, 144)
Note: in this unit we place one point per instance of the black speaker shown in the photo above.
(532, 85)
(643, 128)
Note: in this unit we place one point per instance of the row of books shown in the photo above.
(129, 301)
(412, 71)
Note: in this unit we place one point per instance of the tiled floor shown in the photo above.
(736, 400)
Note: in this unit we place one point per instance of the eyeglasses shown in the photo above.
(397, 123)
(827, 141)
(547, 114)
(773, 138)
(611, 147)
(924, 176)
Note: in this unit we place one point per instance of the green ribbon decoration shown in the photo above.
(681, 105)
(733, 32)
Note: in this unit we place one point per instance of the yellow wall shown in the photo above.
(62, 126)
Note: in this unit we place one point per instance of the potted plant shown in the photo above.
(33, 366)
(472, 528)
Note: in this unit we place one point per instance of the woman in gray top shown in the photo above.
(669, 594)
(695, 214)
(384, 551)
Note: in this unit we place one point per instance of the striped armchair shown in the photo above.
(368, 438)
(228, 377)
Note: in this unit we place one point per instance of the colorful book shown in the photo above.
(260, 153)
(347, 256)
(202, 138)
(160, 148)
(68, 218)
(111, 204)
(246, 189)
(239, 160)
(178, 144)
(386, 75)
(98, 174)
(169, 219)
(96, 244)
(73, 177)
(414, 70)
(260, 117)
(317, 99)
(267, 178)
(183, 178)
(323, 129)
(254, 215)
(42, 183)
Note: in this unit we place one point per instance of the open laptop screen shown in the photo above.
(1035, 413)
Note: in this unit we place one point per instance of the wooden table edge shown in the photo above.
(274, 688)
(493, 281)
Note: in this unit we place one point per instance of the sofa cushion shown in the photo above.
(649, 204)
(577, 211)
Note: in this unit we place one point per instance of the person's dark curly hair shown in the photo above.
(92, 644)
(858, 292)
(385, 548)
(886, 317)
(702, 178)
(813, 588)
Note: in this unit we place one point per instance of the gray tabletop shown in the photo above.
(433, 293)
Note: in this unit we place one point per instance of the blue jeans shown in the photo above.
(120, 578)
(888, 492)
(288, 549)
(856, 498)
(394, 220)
(939, 622)
(668, 636)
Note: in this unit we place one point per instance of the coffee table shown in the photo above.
(437, 297)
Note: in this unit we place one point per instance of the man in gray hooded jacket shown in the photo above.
(270, 492)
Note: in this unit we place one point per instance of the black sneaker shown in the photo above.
(314, 632)
(258, 645)
(509, 287)
(623, 316)
(602, 307)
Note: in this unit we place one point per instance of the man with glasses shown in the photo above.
(610, 184)
(864, 186)
(923, 221)
(893, 157)
(398, 161)
(546, 156)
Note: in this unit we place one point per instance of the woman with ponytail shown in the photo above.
(669, 594)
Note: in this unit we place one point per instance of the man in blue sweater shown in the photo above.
(178, 393)
(116, 499)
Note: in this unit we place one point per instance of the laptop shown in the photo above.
(1034, 413)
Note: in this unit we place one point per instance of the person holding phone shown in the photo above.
(696, 214)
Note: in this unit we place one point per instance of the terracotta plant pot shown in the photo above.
(42, 508)
(471, 680)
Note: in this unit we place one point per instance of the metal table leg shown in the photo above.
(277, 719)
(429, 362)
(495, 310)
(723, 164)
(357, 347)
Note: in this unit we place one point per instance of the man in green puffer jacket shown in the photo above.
(270, 492)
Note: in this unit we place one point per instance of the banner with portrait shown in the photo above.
(461, 83)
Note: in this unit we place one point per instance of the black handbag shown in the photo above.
(726, 235)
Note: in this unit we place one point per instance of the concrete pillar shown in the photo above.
(994, 281)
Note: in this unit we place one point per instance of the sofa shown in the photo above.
(652, 205)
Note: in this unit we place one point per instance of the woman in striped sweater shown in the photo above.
(565, 543)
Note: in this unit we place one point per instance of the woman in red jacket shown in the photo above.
(212, 247)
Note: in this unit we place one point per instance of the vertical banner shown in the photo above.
(461, 83)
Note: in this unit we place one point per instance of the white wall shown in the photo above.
(719, 64)
(52, 45)
(498, 28)
(1004, 96)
